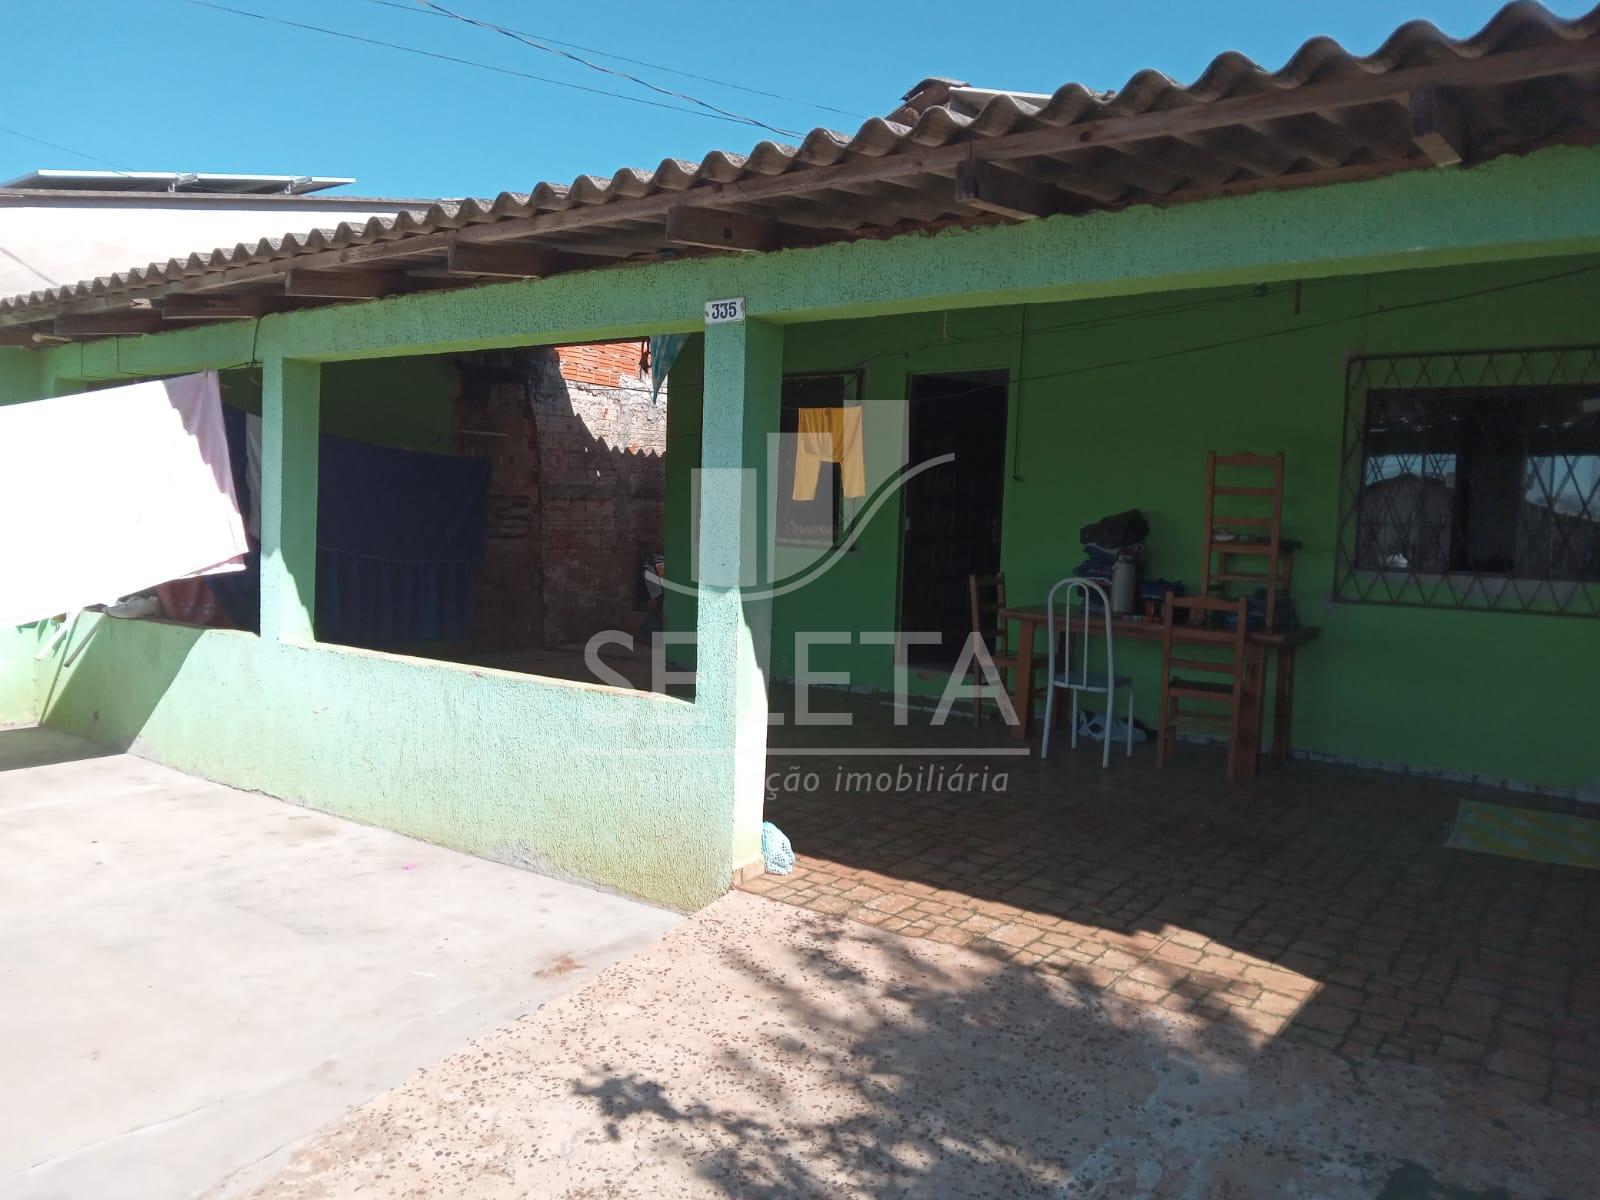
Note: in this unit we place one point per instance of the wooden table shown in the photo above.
(1030, 618)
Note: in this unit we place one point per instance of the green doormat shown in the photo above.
(1526, 833)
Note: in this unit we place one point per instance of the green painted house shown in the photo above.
(1388, 269)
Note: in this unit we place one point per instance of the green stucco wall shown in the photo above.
(399, 402)
(19, 675)
(1382, 684)
(652, 796)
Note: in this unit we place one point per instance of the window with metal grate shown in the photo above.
(1472, 480)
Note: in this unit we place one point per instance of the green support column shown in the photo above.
(743, 380)
(21, 375)
(291, 420)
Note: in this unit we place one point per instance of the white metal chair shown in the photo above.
(1076, 677)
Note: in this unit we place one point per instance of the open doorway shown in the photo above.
(951, 515)
(575, 438)
(492, 508)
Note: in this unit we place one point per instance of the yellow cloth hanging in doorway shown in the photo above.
(831, 435)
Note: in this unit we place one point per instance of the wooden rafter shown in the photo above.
(339, 285)
(721, 230)
(210, 308)
(107, 324)
(502, 262)
(20, 336)
(1436, 127)
(989, 187)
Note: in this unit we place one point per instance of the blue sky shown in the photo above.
(167, 85)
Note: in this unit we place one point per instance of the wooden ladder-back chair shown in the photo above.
(1191, 626)
(1257, 556)
(987, 595)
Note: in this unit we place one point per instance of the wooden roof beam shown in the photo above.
(1383, 129)
(502, 261)
(804, 212)
(1187, 162)
(1241, 147)
(107, 324)
(1437, 128)
(1132, 165)
(886, 203)
(985, 187)
(601, 244)
(1325, 143)
(1096, 189)
(339, 285)
(31, 339)
(720, 229)
(210, 308)
(1350, 173)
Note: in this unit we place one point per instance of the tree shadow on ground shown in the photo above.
(1331, 887)
(871, 1065)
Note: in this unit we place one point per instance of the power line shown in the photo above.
(1243, 339)
(1308, 326)
(641, 62)
(24, 263)
(28, 137)
(647, 63)
(449, 58)
(126, 173)
(526, 40)
(1095, 323)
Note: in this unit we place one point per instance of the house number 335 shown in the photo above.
(721, 312)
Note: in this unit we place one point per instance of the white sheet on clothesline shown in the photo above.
(107, 493)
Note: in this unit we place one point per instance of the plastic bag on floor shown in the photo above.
(776, 853)
(1093, 725)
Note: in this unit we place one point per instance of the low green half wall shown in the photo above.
(600, 784)
(19, 688)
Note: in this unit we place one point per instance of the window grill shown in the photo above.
(1472, 480)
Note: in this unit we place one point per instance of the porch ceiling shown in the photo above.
(1527, 80)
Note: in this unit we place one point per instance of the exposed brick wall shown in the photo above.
(577, 490)
(605, 364)
(494, 419)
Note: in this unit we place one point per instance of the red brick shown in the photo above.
(1281, 1006)
(1136, 989)
(1178, 954)
(1017, 934)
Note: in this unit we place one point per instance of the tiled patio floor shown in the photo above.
(1315, 902)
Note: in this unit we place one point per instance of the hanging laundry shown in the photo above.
(114, 491)
(831, 435)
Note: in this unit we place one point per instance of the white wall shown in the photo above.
(77, 240)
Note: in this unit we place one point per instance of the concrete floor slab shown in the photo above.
(192, 978)
(765, 1051)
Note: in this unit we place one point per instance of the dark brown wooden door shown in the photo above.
(952, 511)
